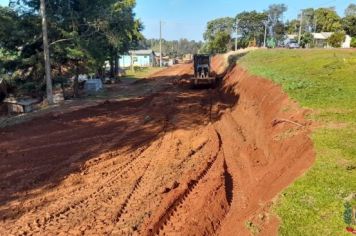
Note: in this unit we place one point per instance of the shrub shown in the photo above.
(353, 42)
(336, 39)
(348, 213)
(306, 39)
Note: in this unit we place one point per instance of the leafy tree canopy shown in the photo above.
(327, 20)
(78, 30)
(216, 26)
(251, 24)
(351, 10)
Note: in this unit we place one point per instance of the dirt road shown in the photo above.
(179, 161)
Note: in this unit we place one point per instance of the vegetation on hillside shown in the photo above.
(323, 81)
(252, 26)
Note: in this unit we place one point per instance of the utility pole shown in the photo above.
(237, 25)
(160, 44)
(315, 20)
(300, 27)
(46, 53)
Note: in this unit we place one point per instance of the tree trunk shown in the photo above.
(46, 53)
(76, 81)
(116, 65)
(112, 69)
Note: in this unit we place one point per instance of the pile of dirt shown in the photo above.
(178, 161)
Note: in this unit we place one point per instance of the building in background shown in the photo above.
(139, 58)
(321, 40)
(165, 59)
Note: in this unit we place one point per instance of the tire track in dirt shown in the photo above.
(126, 204)
(170, 212)
(106, 190)
(120, 227)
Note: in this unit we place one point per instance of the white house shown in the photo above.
(347, 43)
(321, 38)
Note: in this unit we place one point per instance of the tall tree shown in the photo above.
(327, 20)
(218, 35)
(351, 10)
(292, 26)
(220, 43)
(46, 53)
(80, 32)
(225, 24)
(349, 21)
(309, 20)
(349, 25)
(275, 14)
(251, 25)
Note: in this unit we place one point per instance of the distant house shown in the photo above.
(140, 58)
(347, 42)
(291, 36)
(165, 59)
(187, 57)
(321, 40)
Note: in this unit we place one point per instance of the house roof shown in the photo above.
(322, 35)
(142, 52)
(291, 36)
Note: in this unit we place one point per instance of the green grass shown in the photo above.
(141, 72)
(325, 82)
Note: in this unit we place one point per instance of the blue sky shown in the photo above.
(188, 18)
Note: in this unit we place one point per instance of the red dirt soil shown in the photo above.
(180, 161)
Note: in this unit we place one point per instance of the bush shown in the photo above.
(306, 39)
(353, 42)
(29, 88)
(336, 39)
(348, 213)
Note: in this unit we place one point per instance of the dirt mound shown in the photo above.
(179, 161)
(219, 64)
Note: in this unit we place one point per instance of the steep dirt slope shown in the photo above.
(264, 150)
(180, 161)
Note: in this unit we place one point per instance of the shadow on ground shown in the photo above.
(40, 154)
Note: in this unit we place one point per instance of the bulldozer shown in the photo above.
(202, 70)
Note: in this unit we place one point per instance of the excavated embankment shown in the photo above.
(177, 162)
(264, 146)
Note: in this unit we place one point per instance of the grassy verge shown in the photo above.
(141, 72)
(324, 81)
